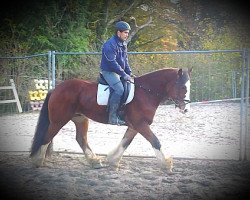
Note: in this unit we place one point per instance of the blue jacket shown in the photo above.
(114, 57)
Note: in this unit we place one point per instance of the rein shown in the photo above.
(176, 102)
(149, 90)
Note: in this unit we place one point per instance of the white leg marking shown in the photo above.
(160, 157)
(164, 162)
(114, 156)
(39, 157)
(88, 153)
(92, 159)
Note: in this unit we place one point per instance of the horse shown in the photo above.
(76, 100)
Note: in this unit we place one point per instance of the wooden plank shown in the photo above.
(16, 100)
(6, 88)
(16, 96)
(7, 101)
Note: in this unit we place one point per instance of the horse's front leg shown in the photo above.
(82, 124)
(114, 157)
(164, 162)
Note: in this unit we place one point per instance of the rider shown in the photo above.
(114, 65)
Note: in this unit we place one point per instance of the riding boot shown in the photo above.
(113, 109)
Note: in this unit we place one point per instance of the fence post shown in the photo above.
(244, 125)
(242, 132)
(53, 62)
(234, 87)
(247, 108)
(49, 70)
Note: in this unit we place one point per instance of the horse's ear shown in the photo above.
(190, 70)
(180, 73)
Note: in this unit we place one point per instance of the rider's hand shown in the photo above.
(132, 75)
(127, 78)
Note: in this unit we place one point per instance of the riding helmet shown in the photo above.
(122, 26)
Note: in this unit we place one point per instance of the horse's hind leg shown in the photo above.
(49, 150)
(114, 157)
(39, 157)
(82, 124)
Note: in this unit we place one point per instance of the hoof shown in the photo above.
(96, 163)
(112, 162)
(114, 166)
(37, 162)
(169, 163)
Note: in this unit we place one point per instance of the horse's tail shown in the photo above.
(42, 127)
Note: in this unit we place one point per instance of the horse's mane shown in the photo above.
(155, 76)
(159, 71)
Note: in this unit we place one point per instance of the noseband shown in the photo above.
(177, 102)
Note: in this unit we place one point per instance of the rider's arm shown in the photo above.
(110, 54)
(127, 67)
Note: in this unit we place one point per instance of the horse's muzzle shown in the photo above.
(184, 105)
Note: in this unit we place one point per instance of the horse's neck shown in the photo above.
(156, 83)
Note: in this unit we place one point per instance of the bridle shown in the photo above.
(179, 84)
(175, 101)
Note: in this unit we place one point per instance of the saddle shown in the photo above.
(104, 92)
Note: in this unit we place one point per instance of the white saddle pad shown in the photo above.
(103, 94)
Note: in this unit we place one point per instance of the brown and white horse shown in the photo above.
(76, 100)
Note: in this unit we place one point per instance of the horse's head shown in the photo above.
(181, 94)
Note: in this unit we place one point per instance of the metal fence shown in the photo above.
(218, 75)
(23, 70)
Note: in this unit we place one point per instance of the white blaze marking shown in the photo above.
(188, 84)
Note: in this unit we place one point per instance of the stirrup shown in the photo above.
(118, 122)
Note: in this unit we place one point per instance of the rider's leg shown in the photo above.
(115, 83)
(114, 104)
